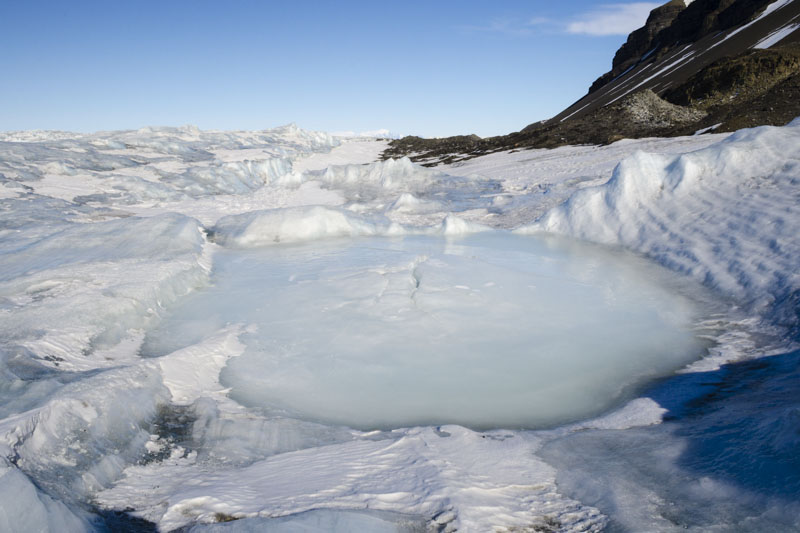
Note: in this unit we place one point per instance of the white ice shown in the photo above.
(107, 239)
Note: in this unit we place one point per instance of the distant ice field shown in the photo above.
(488, 330)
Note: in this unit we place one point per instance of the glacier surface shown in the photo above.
(277, 329)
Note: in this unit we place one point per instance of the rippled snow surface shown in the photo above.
(490, 330)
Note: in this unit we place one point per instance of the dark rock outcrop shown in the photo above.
(703, 17)
(741, 77)
(702, 33)
(674, 24)
(755, 88)
(641, 41)
(637, 115)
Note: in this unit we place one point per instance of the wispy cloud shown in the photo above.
(540, 21)
(612, 19)
(512, 27)
(606, 19)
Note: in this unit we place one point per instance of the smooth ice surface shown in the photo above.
(382, 333)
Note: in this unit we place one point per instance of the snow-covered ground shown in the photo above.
(275, 327)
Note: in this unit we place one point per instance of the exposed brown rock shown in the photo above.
(743, 77)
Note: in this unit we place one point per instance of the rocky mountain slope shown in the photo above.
(711, 65)
(703, 33)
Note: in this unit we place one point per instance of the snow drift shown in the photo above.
(259, 228)
(298, 224)
(727, 215)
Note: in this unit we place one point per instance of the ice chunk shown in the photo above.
(389, 174)
(260, 228)
(421, 190)
(235, 177)
(408, 203)
(453, 225)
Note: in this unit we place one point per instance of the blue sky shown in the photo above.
(428, 68)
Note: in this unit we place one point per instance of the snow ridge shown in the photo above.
(719, 215)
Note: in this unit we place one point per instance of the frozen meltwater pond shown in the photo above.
(491, 330)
